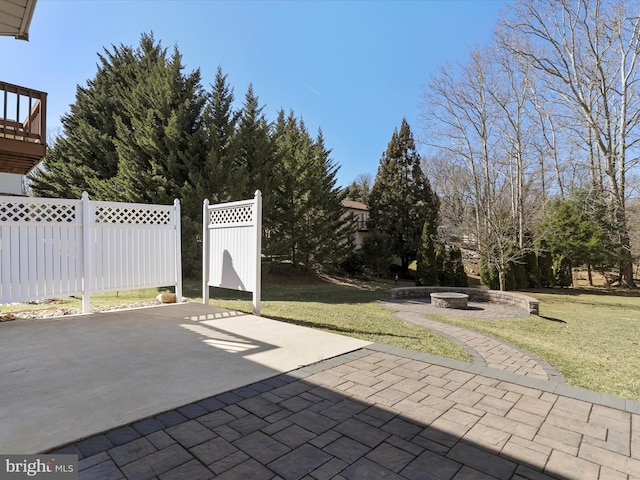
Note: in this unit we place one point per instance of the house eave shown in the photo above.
(15, 18)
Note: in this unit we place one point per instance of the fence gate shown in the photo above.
(231, 247)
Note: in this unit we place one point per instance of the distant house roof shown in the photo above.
(354, 205)
(15, 17)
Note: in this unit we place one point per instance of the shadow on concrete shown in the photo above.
(292, 428)
(69, 377)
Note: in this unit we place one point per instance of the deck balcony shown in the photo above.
(23, 128)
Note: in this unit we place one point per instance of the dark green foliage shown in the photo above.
(426, 263)
(377, 253)
(562, 271)
(401, 200)
(144, 131)
(255, 158)
(133, 134)
(354, 263)
(545, 265)
(308, 225)
(459, 275)
(86, 152)
(360, 189)
(532, 270)
(443, 266)
(489, 275)
(520, 277)
(576, 231)
(510, 277)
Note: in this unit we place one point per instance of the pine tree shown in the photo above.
(460, 278)
(401, 200)
(133, 134)
(426, 266)
(159, 132)
(327, 214)
(85, 154)
(213, 178)
(219, 179)
(307, 225)
(254, 152)
(359, 189)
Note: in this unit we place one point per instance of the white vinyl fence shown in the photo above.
(231, 247)
(51, 247)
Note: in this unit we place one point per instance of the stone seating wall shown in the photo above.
(513, 299)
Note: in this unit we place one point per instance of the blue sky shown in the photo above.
(353, 68)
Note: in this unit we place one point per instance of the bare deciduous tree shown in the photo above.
(588, 52)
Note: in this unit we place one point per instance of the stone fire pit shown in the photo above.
(449, 300)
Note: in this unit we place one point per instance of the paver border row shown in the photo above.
(557, 388)
(553, 374)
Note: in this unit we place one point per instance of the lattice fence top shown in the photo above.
(231, 215)
(132, 215)
(27, 211)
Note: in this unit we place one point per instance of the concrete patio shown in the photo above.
(297, 404)
(67, 378)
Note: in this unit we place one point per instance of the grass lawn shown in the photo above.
(591, 336)
(350, 309)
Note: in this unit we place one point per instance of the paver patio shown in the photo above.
(380, 412)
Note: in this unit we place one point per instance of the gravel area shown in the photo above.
(56, 310)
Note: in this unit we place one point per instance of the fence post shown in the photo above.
(176, 204)
(205, 252)
(257, 205)
(87, 254)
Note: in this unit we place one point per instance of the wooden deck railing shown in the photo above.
(18, 102)
(23, 128)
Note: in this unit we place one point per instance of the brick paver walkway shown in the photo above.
(484, 349)
(380, 412)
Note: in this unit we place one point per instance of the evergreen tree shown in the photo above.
(307, 223)
(134, 134)
(377, 253)
(545, 265)
(85, 153)
(360, 189)
(459, 275)
(159, 132)
(401, 200)
(327, 215)
(576, 231)
(562, 271)
(215, 178)
(426, 266)
(534, 276)
(254, 152)
(489, 274)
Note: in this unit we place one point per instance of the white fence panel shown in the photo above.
(135, 246)
(232, 247)
(51, 247)
(38, 248)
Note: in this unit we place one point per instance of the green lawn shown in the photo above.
(345, 308)
(591, 336)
